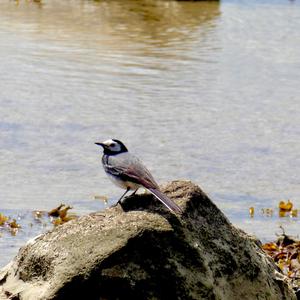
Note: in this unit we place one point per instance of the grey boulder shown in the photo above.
(142, 251)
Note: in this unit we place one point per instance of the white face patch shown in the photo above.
(112, 145)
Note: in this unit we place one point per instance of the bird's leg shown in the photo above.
(134, 192)
(127, 190)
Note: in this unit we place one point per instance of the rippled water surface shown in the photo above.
(205, 91)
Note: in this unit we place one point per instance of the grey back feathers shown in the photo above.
(129, 167)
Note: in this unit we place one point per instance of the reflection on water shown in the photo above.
(106, 32)
(206, 91)
(156, 23)
(86, 70)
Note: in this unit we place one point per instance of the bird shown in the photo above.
(128, 172)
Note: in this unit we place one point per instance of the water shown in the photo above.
(204, 91)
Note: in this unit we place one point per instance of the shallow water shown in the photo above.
(204, 91)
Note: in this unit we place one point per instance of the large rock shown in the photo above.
(145, 252)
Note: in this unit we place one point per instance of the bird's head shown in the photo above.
(112, 147)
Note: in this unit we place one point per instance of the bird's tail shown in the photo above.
(171, 205)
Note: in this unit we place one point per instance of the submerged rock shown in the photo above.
(145, 252)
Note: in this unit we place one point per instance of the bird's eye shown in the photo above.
(112, 145)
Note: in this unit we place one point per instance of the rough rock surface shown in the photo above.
(145, 252)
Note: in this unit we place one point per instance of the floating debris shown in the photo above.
(101, 198)
(55, 211)
(294, 213)
(60, 221)
(13, 224)
(38, 214)
(251, 212)
(268, 212)
(56, 216)
(285, 206)
(286, 254)
(13, 227)
(282, 213)
(3, 219)
(57, 222)
(61, 212)
(285, 209)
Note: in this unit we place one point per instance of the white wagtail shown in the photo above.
(128, 172)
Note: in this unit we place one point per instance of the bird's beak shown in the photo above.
(100, 144)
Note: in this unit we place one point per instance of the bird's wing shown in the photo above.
(129, 168)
